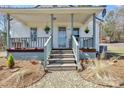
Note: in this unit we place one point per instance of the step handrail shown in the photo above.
(75, 48)
(47, 50)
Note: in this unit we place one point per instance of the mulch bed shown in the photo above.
(24, 73)
(115, 69)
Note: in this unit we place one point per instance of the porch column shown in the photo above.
(94, 31)
(52, 28)
(72, 24)
(72, 17)
(8, 30)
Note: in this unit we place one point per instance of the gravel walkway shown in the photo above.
(63, 79)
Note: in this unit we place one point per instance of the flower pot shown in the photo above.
(47, 32)
(87, 30)
(47, 29)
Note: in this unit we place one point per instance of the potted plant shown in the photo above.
(47, 29)
(87, 30)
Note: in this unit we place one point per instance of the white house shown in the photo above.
(27, 37)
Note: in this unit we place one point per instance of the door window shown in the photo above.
(76, 33)
(62, 37)
(34, 34)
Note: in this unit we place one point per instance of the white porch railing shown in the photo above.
(75, 47)
(86, 42)
(47, 50)
(25, 42)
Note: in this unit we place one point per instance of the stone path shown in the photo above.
(63, 79)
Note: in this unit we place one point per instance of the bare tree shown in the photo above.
(114, 24)
(110, 25)
(120, 20)
(3, 34)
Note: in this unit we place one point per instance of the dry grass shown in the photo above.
(23, 74)
(105, 72)
(101, 71)
(110, 71)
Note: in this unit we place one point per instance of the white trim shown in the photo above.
(52, 10)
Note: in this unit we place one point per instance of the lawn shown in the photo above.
(119, 50)
(116, 49)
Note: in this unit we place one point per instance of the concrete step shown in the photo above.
(56, 67)
(62, 69)
(61, 55)
(62, 52)
(61, 59)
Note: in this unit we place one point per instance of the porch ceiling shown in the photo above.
(39, 19)
(39, 16)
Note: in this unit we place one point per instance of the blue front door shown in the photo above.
(62, 37)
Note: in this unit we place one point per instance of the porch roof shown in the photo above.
(39, 16)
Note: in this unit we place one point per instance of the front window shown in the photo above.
(76, 33)
(34, 34)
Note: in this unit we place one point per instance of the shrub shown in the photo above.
(10, 61)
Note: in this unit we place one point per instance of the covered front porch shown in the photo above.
(63, 25)
(25, 32)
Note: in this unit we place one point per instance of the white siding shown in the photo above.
(55, 37)
(90, 34)
(41, 32)
(82, 32)
(68, 31)
(18, 29)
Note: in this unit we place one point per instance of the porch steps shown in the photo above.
(61, 66)
(61, 60)
(61, 55)
(62, 52)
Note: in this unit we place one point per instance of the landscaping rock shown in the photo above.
(115, 61)
(121, 83)
(14, 70)
(33, 62)
(1, 68)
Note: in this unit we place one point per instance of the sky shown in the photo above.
(112, 7)
(109, 7)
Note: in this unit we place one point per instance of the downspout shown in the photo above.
(94, 31)
(8, 31)
(52, 29)
(72, 20)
